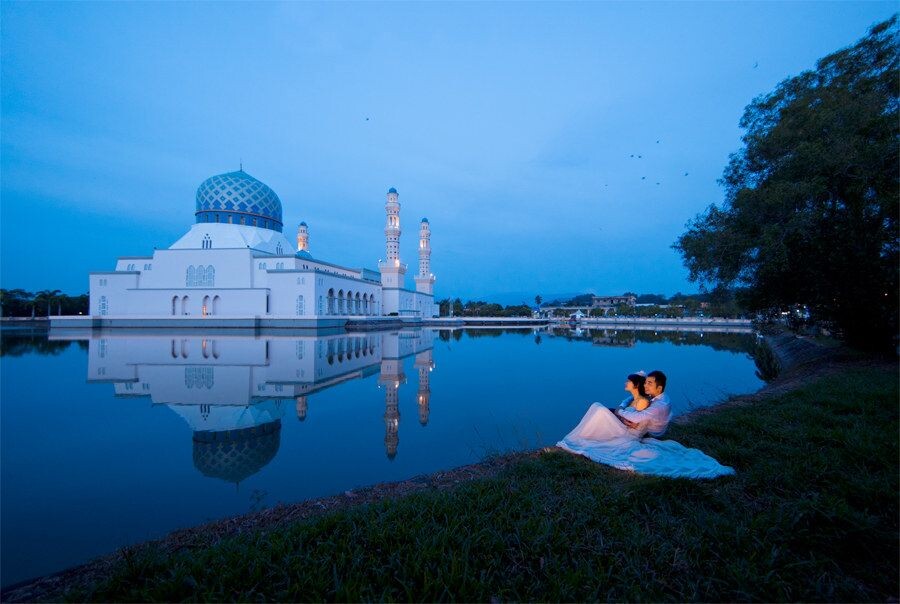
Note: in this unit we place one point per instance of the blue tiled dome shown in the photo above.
(238, 198)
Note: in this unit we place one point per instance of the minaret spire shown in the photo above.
(392, 226)
(303, 237)
(392, 270)
(425, 279)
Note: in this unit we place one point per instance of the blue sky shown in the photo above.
(511, 126)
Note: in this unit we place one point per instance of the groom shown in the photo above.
(655, 418)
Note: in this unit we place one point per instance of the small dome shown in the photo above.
(304, 224)
(425, 220)
(238, 198)
(392, 190)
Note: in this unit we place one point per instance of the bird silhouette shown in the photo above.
(657, 142)
(632, 155)
(657, 183)
(643, 177)
(640, 156)
(756, 64)
(685, 173)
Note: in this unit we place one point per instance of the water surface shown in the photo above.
(117, 437)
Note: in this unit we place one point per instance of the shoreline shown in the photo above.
(800, 359)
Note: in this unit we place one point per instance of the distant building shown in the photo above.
(609, 302)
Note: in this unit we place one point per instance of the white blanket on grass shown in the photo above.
(601, 437)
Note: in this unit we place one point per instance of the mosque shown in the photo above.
(235, 264)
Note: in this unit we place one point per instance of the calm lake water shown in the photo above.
(115, 438)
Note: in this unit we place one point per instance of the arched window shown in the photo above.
(204, 310)
(349, 303)
(191, 277)
(300, 309)
(174, 350)
(278, 249)
(184, 305)
(210, 276)
(340, 297)
(357, 304)
(215, 307)
(330, 302)
(174, 306)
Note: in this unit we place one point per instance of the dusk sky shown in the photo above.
(511, 126)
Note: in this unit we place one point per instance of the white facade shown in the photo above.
(225, 267)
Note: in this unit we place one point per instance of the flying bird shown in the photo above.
(657, 142)
(640, 156)
(685, 173)
(756, 64)
(643, 177)
(657, 183)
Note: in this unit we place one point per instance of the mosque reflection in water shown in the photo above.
(234, 391)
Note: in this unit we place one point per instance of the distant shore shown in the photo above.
(156, 570)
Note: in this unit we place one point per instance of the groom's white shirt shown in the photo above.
(654, 419)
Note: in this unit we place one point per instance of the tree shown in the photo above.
(46, 297)
(810, 215)
(537, 300)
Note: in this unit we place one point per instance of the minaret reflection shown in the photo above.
(424, 363)
(302, 407)
(391, 377)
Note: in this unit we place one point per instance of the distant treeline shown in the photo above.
(475, 308)
(718, 303)
(21, 303)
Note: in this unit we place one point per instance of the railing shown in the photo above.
(391, 264)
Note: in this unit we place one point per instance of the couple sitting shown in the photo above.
(615, 438)
(647, 410)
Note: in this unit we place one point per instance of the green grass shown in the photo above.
(812, 514)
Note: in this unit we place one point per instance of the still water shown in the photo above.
(113, 438)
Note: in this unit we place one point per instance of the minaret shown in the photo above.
(425, 280)
(302, 407)
(424, 364)
(392, 271)
(303, 238)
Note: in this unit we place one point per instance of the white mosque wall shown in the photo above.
(109, 292)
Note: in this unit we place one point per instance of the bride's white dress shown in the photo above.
(602, 437)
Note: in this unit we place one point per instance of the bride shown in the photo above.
(616, 438)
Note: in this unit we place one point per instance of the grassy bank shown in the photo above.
(812, 514)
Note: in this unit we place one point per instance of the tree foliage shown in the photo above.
(21, 303)
(810, 214)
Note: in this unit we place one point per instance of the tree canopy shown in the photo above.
(810, 215)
